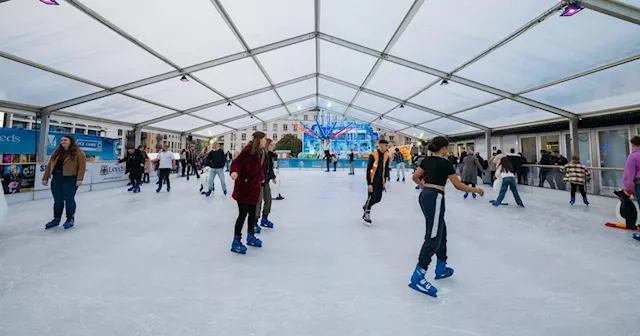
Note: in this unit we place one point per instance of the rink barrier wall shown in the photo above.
(99, 175)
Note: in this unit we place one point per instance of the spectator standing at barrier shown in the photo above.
(578, 175)
(516, 161)
(523, 172)
(334, 159)
(545, 172)
(166, 163)
(558, 176)
(134, 167)
(351, 163)
(67, 166)
(147, 165)
(399, 159)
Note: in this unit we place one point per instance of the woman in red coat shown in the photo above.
(247, 170)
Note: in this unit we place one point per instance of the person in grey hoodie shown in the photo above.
(469, 175)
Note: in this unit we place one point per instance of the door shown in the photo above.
(613, 149)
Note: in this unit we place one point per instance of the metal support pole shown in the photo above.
(183, 141)
(487, 152)
(573, 137)
(137, 133)
(43, 137)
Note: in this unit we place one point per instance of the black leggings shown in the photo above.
(373, 197)
(578, 186)
(245, 211)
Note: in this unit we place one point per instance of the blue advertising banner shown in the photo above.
(316, 163)
(17, 141)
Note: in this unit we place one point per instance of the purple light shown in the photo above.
(49, 2)
(571, 9)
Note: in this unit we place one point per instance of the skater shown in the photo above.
(265, 190)
(276, 171)
(399, 159)
(352, 162)
(506, 179)
(631, 177)
(334, 159)
(67, 165)
(216, 161)
(228, 157)
(147, 165)
(416, 163)
(432, 176)
(326, 145)
(469, 175)
(376, 170)
(134, 167)
(248, 173)
(183, 161)
(191, 163)
(166, 163)
(577, 175)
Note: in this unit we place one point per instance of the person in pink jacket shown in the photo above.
(631, 177)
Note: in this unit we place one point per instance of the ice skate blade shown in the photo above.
(239, 252)
(440, 277)
(414, 287)
(365, 223)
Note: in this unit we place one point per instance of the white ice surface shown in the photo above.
(159, 264)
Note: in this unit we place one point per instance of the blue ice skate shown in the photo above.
(266, 223)
(636, 235)
(465, 195)
(417, 187)
(159, 189)
(225, 193)
(442, 271)
(55, 222)
(168, 189)
(257, 229)
(586, 201)
(208, 193)
(253, 241)
(69, 223)
(136, 188)
(420, 284)
(474, 195)
(572, 201)
(237, 246)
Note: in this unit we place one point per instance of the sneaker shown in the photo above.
(420, 283)
(442, 271)
(69, 223)
(266, 223)
(237, 246)
(367, 218)
(55, 222)
(253, 241)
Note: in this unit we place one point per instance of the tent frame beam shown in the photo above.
(615, 9)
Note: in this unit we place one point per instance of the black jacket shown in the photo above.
(135, 162)
(559, 161)
(215, 159)
(378, 175)
(269, 174)
(545, 160)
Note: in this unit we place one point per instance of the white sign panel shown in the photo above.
(40, 174)
(3, 207)
(108, 172)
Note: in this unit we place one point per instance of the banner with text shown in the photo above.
(40, 174)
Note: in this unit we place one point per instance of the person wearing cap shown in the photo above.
(376, 170)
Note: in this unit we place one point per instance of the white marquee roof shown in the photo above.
(508, 63)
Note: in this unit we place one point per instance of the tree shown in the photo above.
(290, 142)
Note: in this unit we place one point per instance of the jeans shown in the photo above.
(63, 189)
(435, 239)
(399, 168)
(509, 183)
(220, 173)
(226, 164)
(546, 175)
(352, 167)
(245, 210)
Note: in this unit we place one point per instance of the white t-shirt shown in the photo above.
(166, 160)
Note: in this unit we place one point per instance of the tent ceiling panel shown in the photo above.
(452, 97)
(259, 101)
(220, 112)
(345, 64)
(370, 23)
(388, 124)
(213, 131)
(181, 123)
(277, 112)
(262, 22)
(73, 42)
(330, 104)
(300, 89)
(290, 62)
(632, 2)
(418, 134)
(365, 117)
(399, 81)
(28, 85)
(243, 123)
(553, 50)
(186, 32)
(614, 87)
(302, 105)
(411, 115)
(434, 40)
(234, 78)
(118, 107)
(374, 103)
(504, 113)
(177, 94)
(448, 126)
(336, 91)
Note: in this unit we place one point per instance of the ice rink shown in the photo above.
(159, 264)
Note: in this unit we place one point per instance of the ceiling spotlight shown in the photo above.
(299, 107)
(184, 79)
(444, 81)
(229, 104)
(401, 105)
(49, 2)
(329, 104)
(252, 116)
(571, 9)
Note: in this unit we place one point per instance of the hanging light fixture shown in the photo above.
(229, 104)
(49, 2)
(571, 9)
(401, 105)
(184, 79)
(444, 82)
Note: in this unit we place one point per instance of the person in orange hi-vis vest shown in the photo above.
(376, 171)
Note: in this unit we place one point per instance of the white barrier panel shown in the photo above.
(40, 174)
(3, 207)
(108, 172)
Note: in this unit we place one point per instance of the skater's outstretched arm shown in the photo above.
(455, 180)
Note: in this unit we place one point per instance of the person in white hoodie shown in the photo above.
(506, 179)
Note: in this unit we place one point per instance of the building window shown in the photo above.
(275, 137)
(165, 137)
(305, 117)
(36, 127)
(254, 128)
(275, 127)
(119, 132)
(92, 132)
(243, 136)
(391, 137)
(19, 124)
(264, 127)
(285, 127)
(79, 131)
(295, 135)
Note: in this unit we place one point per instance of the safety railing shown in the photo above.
(22, 181)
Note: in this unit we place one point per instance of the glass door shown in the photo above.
(583, 144)
(529, 148)
(613, 149)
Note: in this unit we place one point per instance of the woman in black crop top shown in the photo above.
(431, 176)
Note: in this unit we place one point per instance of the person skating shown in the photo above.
(278, 187)
(416, 164)
(265, 190)
(134, 167)
(215, 160)
(351, 163)
(399, 159)
(147, 165)
(470, 170)
(506, 179)
(166, 163)
(247, 171)
(334, 159)
(577, 175)
(183, 162)
(66, 166)
(228, 157)
(192, 157)
(432, 176)
(376, 171)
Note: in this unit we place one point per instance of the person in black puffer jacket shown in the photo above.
(134, 167)
(265, 193)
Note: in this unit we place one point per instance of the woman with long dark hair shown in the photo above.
(432, 176)
(506, 179)
(247, 170)
(67, 165)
